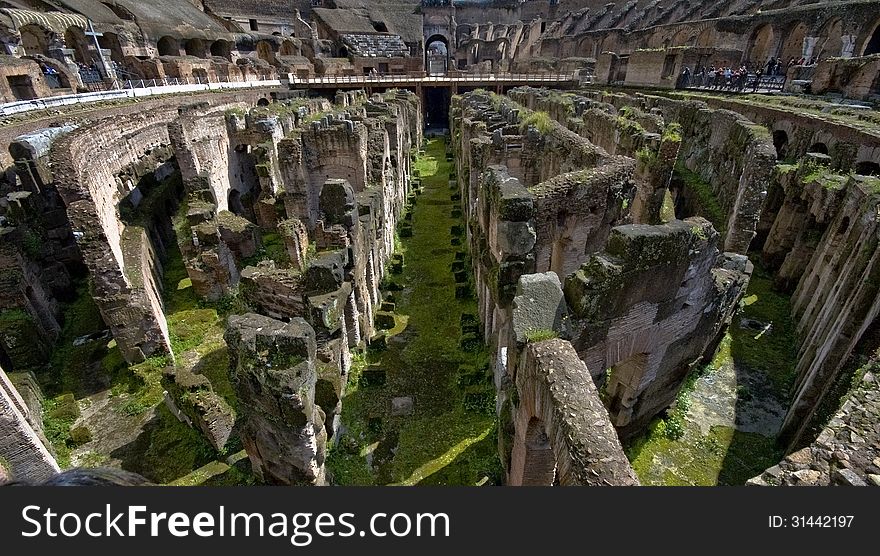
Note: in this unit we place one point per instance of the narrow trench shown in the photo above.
(421, 408)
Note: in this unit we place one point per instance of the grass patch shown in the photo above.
(534, 336)
(773, 352)
(443, 441)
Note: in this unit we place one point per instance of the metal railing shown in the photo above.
(750, 83)
(119, 89)
(424, 77)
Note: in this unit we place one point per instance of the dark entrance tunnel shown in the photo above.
(437, 101)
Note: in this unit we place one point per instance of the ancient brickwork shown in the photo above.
(649, 308)
(273, 369)
(23, 454)
(563, 435)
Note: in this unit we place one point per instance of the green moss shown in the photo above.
(541, 121)
(59, 414)
(167, 449)
(707, 204)
(672, 133)
(535, 336)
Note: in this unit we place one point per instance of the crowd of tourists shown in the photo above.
(730, 78)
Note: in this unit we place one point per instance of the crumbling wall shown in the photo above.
(273, 371)
(23, 454)
(845, 452)
(125, 290)
(649, 308)
(836, 299)
(563, 434)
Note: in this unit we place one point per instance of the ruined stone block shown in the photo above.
(193, 396)
(273, 371)
(326, 272)
(401, 406)
(239, 234)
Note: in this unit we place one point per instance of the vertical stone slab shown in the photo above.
(22, 454)
(273, 370)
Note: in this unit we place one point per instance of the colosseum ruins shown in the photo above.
(441, 242)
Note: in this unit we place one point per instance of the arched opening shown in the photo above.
(872, 46)
(704, 40)
(621, 387)
(685, 37)
(195, 47)
(75, 39)
(34, 40)
(263, 102)
(265, 52)
(780, 141)
(437, 55)
(818, 148)
(830, 41)
(539, 461)
(222, 49)
(168, 46)
(110, 41)
(5, 361)
(288, 49)
(763, 45)
(793, 45)
(868, 168)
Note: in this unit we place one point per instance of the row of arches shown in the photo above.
(265, 50)
(783, 151)
(831, 40)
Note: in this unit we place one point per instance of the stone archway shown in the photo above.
(34, 40)
(437, 55)
(221, 49)
(793, 45)
(110, 41)
(830, 40)
(684, 37)
(265, 52)
(551, 436)
(872, 44)
(762, 45)
(536, 456)
(706, 38)
(288, 48)
(168, 46)
(195, 47)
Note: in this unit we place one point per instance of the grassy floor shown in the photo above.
(448, 439)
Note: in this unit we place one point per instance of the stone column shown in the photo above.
(848, 47)
(809, 47)
(273, 371)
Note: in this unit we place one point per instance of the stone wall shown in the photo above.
(845, 452)
(563, 435)
(649, 301)
(732, 155)
(854, 78)
(649, 308)
(273, 370)
(126, 291)
(22, 453)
